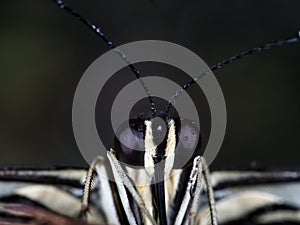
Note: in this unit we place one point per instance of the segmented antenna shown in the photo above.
(229, 61)
(98, 31)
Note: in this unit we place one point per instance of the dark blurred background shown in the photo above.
(44, 52)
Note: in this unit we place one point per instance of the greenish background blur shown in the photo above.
(44, 52)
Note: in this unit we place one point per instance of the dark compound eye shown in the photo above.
(129, 142)
(188, 142)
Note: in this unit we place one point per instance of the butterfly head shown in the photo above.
(165, 140)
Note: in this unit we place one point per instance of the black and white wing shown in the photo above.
(31, 196)
(254, 198)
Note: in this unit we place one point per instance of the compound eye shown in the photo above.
(188, 143)
(129, 142)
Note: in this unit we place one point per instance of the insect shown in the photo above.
(30, 196)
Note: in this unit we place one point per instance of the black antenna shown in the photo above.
(229, 61)
(110, 44)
